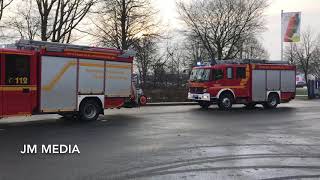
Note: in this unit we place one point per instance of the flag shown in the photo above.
(291, 22)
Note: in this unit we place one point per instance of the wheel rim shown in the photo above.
(90, 111)
(273, 101)
(226, 102)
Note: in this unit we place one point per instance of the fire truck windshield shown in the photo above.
(200, 75)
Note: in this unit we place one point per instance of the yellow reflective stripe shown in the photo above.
(17, 114)
(17, 88)
(91, 53)
(107, 65)
(91, 65)
(54, 81)
(119, 66)
(17, 53)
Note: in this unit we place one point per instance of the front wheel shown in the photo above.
(225, 101)
(89, 110)
(273, 101)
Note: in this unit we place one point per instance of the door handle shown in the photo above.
(25, 90)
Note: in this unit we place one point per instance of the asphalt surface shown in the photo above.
(174, 142)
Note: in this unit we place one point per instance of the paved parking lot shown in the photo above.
(174, 142)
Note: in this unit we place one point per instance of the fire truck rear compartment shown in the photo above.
(60, 91)
(266, 81)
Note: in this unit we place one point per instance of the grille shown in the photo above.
(196, 90)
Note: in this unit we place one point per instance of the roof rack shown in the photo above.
(248, 61)
(60, 47)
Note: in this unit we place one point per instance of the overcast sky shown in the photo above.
(271, 37)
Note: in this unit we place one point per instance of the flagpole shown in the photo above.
(281, 36)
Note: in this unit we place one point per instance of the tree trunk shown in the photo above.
(123, 26)
(44, 25)
(307, 82)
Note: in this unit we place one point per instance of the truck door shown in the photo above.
(259, 85)
(230, 79)
(242, 80)
(17, 89)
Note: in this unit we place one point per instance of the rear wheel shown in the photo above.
(89, 110)
(225, 101)
(272, 102)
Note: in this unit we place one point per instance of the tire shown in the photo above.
(89, 110)
(204, 105)
(225, 101)
(272, 102)
(250, 105)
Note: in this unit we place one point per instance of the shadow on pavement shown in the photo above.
(65, 122)
(243, 110)
(241, 114)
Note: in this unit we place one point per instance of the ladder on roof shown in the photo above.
(250, 61)
(52, 46)
(60, 47)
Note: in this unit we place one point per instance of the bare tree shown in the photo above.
(289, 53)
(4, 4)
(44, 8)
(251, 48)
(59, 18)
(221, 24)
(121, 22)
(316, 64)
(178, 61)
(147, 56)
(193, 51)
(159, 72)
(125, 24)
(304, 54)
(25, 21)
(316, 58)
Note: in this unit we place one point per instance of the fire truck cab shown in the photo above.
(248, 82)
(41, 77)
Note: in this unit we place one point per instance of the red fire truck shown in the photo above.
(248, 82)
(41, 77)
